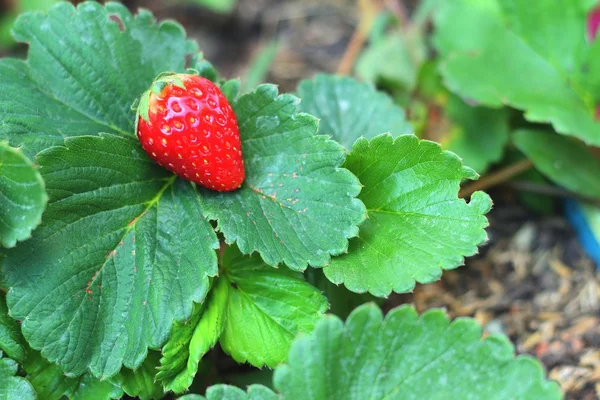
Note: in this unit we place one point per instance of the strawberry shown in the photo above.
(186, 125)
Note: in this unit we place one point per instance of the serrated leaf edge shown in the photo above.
(480, 200)
(40, 181)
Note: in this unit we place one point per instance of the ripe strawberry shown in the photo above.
(186, 125)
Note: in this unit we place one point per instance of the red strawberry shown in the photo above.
(186, 124)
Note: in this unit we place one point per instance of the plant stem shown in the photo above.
(368, 13)
(496, 178)
(352, 50)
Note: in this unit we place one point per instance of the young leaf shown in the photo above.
(86, 65)
(124, 251)
(297, 206)
(349, 109)
(190, 341)
(563, 160)
(22, 196)
(267, 308)
(141, 382)
(231, 89)
(417, 226)
(394, 60)
(11, 386)
(11, 340)
(226, 392)
(477, 135)
(405, 356)
(50, 383)
(501, 52)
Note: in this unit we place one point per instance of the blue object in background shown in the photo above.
(586, 221)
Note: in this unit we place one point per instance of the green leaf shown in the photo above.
(22, 196)
(91, 388)
(86, 65)
(124, 251)
(297, 206)
(50, 383)
(226, 392)
(267, 308)
(478, 135)
(6, 22)
(395, 59)
(11, 386)
(141, 382)
(405, 356)
(417, 226)
(259, 67)
(563, 160)
(349, 109)
(191, 340)
(48, 380)
(220, 6)
(530, 55)
(231, 89)
(11, 340)
(12, 10)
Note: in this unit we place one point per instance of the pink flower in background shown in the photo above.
(593, 23)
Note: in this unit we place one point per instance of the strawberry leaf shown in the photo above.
(267, 308)
(48, 380)
(50, 383)
(401, 356)
(86, 65)
(22, 196)
(141, 382)
(123, 253)
(477, 135)
(191, 340)
(417, 226)
(405, 356)
(297, 206)
(501, 52)
(226, 392)
(403, 53)
(11, 340)
(563, 160)
(349, 109)
(11, 386)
